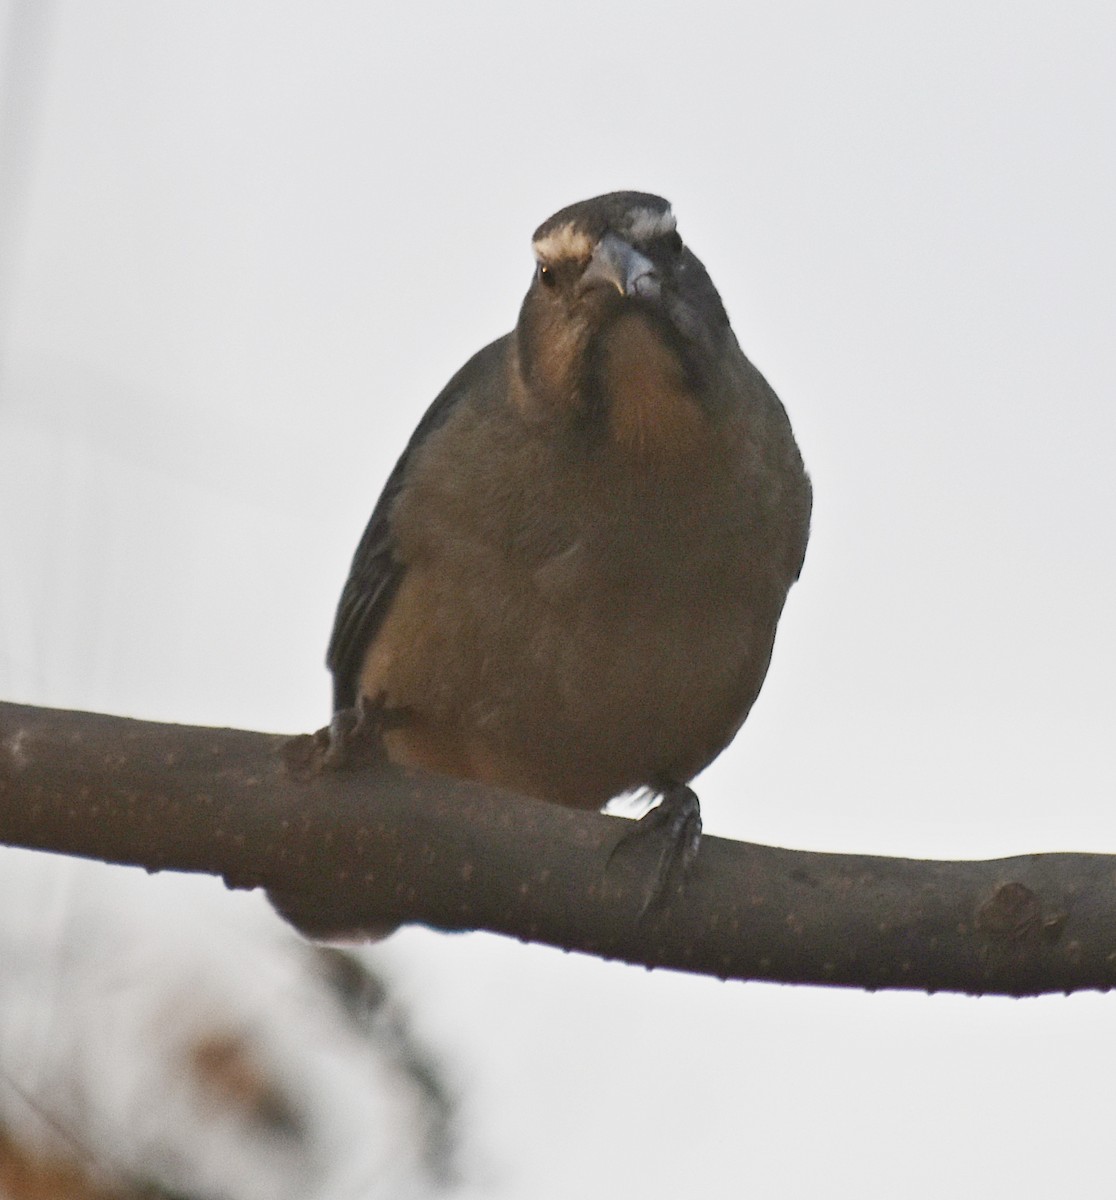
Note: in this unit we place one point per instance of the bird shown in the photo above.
(570, 585)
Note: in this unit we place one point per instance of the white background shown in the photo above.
(243, 245)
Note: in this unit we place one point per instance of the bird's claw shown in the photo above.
(354, 738)
(664, 843)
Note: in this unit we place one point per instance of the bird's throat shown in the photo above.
(652, 414)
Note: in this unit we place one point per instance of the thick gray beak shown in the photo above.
(619, 265)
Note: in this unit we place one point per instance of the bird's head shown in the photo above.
(617, 302)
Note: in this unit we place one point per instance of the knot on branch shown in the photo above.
(1014, 913)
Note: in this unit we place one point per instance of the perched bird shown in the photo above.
(571, 582)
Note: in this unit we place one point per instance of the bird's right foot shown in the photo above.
(662, 846)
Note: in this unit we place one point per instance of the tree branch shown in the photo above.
(375, 846)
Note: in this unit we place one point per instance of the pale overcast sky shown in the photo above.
(242, 246)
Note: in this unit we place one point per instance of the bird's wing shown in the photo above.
(376, 572)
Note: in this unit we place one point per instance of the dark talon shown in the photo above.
(341, 731)
(671, 831)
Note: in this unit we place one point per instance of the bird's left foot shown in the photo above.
(354, 738)
(664, 844)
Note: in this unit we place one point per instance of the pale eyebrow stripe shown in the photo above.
(565, 242)
(644, 224)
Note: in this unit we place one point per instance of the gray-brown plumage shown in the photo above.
(571, 582)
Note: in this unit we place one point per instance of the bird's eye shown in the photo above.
(674, 241)
(547, 275)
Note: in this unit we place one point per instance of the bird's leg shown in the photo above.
(668, 836)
